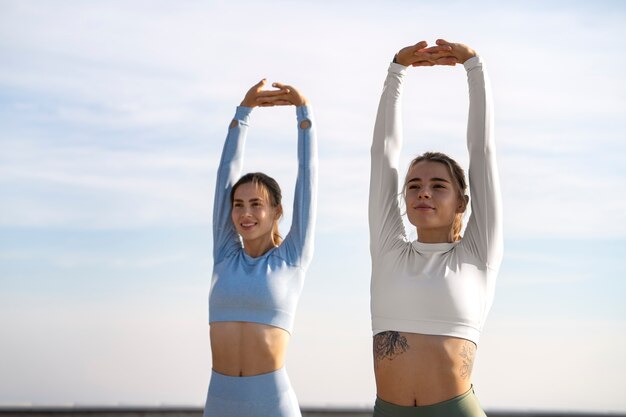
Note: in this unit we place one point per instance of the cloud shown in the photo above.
(166, 81)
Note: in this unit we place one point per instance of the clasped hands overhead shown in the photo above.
(283, 95)
(418, 55)
(442, 53)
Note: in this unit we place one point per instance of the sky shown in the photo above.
(112, 118)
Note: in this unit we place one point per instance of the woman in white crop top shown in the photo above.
(430, 297)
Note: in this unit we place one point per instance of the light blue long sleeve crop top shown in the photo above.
(265, 289)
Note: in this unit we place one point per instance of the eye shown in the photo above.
(237, 205)
(413, 187)
(439, 186)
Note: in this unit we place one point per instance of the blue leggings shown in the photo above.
(265, 395)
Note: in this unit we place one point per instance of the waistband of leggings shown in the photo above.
(252, 388)
(440, 409)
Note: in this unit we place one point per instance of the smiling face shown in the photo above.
(253, 215)
(433, 201)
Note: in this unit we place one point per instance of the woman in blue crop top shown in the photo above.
(258, 276)
(430, 297)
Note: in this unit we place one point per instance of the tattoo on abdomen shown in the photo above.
(389, 345)
(467, 353)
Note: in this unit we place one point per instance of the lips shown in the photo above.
(247, 225)
(423, 207)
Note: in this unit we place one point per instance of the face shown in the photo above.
(432, 201)
(252, 214)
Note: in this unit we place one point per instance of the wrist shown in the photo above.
(470, 54)
(398, 59)
(301, 101)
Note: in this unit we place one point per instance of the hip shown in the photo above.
(269, 394)
(464, 405)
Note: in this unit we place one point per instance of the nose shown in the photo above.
(242, 211)
(424, 192)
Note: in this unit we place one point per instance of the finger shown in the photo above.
(435, 56)
(275, 103)
(447, 60)
(422, 64)
(435, 49)
(273, 99)
(427, 58)
(420, 45)
(260, 84)
(282, 86)
(270, 93)
(443, 42)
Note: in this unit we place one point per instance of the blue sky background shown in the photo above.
(112, 117)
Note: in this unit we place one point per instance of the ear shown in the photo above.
(279, 212)
(463, 204)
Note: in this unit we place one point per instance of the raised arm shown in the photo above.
(385, 219)
(225, 237)
(299, 240)
(483, 235)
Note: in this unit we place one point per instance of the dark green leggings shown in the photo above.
(465, 405)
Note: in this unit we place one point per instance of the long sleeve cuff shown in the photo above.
(397, 68)
(304, 112)
(243, 113)
(473, 62)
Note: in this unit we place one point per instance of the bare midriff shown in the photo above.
(416, 369)
(247, 349)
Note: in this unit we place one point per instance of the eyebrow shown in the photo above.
(252, 199)
(436, 179)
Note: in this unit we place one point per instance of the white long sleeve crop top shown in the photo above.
(442, 288)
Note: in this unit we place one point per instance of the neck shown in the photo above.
(258, 247)
(443, 235)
